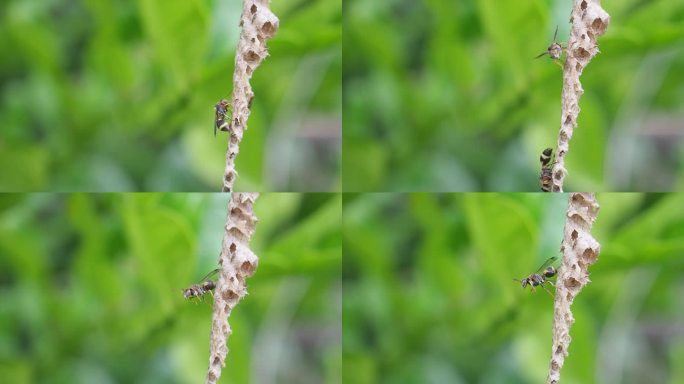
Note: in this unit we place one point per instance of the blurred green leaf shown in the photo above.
(91, 288)
(457, 102)
(119, 96)
(428, 288)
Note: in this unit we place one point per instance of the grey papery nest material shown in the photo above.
(237, 262)
(258, 25)
(589, 21)
(580, 250)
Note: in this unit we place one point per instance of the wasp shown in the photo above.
(546, 271)
(222, 122)
(555, 50)
(200, 289)
(546, 174)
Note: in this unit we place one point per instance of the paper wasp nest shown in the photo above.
(580, 250)
(236, 264)
(589, 21)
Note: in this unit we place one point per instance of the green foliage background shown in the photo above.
(443, 95)
(118, 96)
(429, 296)
(90, 286)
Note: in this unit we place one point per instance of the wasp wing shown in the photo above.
(209, 276)
(215, 119)
(546, 263)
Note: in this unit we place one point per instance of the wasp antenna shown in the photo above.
(555, 33)
(541, 54)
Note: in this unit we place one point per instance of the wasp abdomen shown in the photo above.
(546, 175)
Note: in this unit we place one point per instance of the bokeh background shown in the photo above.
(429, 295)
(443, 95)
(90, 289)
(119, 95)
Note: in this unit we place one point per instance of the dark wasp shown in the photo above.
(555, 50)
(200, 289)
(546, 174)
(222, 122)
(540, 277)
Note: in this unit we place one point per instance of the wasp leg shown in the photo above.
(225, 127)
(564, 50)
(547, 291)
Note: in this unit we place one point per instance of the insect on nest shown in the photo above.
(555, 50)
(540, 277)
(546, 174)
(206, 285)
(223, 116)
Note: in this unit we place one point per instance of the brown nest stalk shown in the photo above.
(580, 250)
(237, 262)
(258, 25)
(589, 21)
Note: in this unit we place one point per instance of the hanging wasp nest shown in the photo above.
(237, 262)
(589, 21)
(258, 25)
(580, 250)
